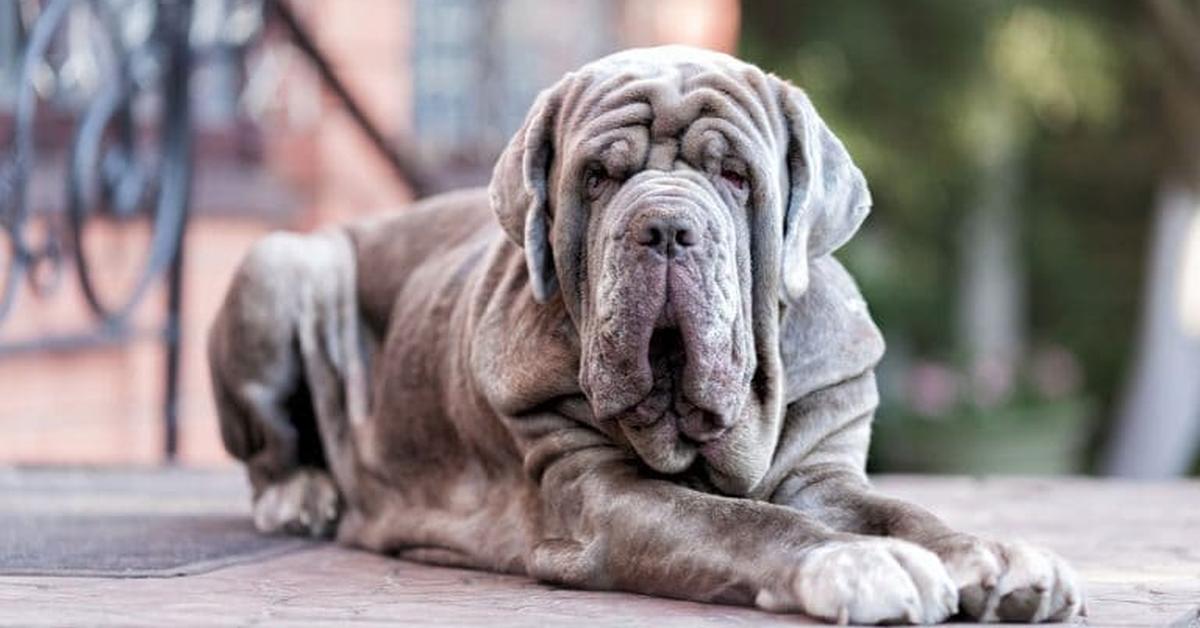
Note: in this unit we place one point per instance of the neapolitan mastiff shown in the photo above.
(632, 363)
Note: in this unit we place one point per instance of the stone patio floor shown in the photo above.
(1137, 546)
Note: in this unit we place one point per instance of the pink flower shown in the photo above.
(992, 380)
(1055, 372)
(933, 388)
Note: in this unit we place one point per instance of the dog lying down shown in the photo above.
(631, 363)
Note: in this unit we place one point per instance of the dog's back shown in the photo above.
(390, 247)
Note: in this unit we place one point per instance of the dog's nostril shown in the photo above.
(685, 237)
(665, 234)
(651, 235)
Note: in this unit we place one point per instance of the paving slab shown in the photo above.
(1137, 546)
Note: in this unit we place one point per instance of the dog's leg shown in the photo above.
(607, 526)
(822, 475)
(996, 581)
(306, 503)
(263, 396)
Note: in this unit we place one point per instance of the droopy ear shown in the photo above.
(519, 192)
(827, 196)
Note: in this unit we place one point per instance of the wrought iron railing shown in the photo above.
(128, 165)
(121, 169)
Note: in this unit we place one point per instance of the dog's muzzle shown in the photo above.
(670, 357)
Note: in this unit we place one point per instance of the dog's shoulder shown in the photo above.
(523, 353)
(445, 265)
(828, 335)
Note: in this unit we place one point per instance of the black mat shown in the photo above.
(131, 545)
(127, 523)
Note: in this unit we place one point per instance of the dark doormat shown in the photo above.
(134, 523)
(131, 545)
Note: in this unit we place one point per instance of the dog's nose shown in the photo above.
(667, 235)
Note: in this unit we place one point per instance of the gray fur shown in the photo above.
(618, 368)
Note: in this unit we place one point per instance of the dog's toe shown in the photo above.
(305, 504)
(1011, 581)
(869, 581)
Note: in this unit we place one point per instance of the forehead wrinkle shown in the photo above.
(661, 91)
(641, 88)
(584, 98)
(675, 94)
(593, 146)
(738, 141)
(633, 114)
(675, 102)
(738, 97)
(703, 97)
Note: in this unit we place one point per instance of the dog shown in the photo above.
(631, 363)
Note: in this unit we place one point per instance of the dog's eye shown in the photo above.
(735, 179)
(595, 181)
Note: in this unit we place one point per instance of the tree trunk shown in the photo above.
(992, 289)
(1158, 426)
(991, 295)
(1159, 421)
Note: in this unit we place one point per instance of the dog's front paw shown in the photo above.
(1011, 581)
(867, 581)
(306, 504)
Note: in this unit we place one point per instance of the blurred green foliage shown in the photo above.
(923, 92)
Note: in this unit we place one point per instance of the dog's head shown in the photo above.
(673, 198)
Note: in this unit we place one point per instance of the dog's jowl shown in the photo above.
(631, 363)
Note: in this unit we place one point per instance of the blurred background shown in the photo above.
(1033, 256)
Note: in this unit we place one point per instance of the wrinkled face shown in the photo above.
(660, 173)
(668, 352)
(663, 191)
